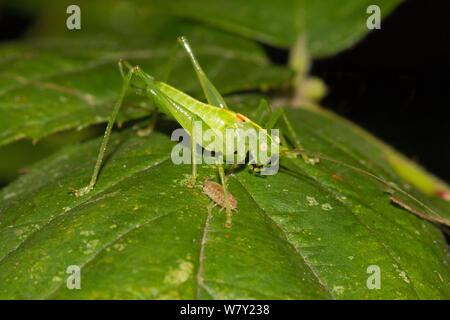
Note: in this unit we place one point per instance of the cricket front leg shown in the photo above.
(112, 119)
(298, 146)
(290, 133)
(223, 180)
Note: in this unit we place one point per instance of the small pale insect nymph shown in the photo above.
(215, 192)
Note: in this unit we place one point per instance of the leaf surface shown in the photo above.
(329, 25)
(308, 232)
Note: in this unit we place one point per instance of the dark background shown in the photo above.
(394, 82)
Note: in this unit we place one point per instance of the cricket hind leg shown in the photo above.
(193, 152)
(211, 93)
(126, 84)
(223, 181)
(214, 98)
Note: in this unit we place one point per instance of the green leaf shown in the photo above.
(333, 25)
(52, 85)
(308, 232)
(271, 22)
(22, 153)
(384, 163)
(329, 25)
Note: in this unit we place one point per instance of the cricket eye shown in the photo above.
(263, 146)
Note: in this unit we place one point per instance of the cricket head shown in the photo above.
(262, 146)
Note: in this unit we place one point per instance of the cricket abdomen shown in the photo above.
(215, 192)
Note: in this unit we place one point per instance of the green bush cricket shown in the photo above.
(185, 109)
(213, 115)
(216, 115)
